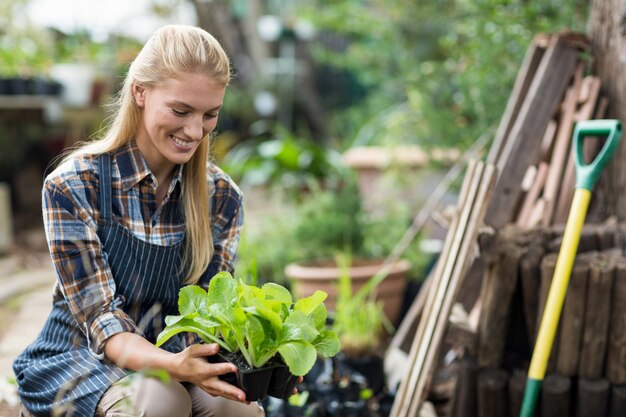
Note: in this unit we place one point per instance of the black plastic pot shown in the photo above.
(252, 381)
(274, 379)
(282, 383)
(371, 367)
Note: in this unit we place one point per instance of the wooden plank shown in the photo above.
(536, 213)
(475, 217)
(572, 318)
(597, 315)
(616, 355)
(560, 151)
(548, 140)
(524, 78)
(522, 146)
(592, 399)
(555, 396)
(566, 193)
(586, 111)
(523, 219)
(449, 251)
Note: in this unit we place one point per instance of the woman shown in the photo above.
(130, 219)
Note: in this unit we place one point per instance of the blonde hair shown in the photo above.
(172, 50)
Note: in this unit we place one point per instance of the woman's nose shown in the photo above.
(194, 128)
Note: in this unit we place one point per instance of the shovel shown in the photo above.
(586, 177)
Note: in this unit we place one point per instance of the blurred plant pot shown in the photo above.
(306, 278)
(77, 80)
(415, 174)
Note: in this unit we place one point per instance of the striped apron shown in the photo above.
(58, 371)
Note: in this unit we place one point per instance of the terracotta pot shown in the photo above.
(306, 278)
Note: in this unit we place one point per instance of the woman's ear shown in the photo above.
(139, 94)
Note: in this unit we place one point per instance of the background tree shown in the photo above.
(607, 30)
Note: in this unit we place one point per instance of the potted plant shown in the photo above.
(359, 322)
(269, 337)
(331, 221)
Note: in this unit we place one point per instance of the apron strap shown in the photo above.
(104, 172)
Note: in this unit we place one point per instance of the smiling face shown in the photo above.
(176, 115)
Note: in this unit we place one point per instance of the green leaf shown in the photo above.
(298, 356)
(192, 299)
(222, 290)
(299, 327)
(327, 344)
(255, 334)
(187, 325)
(319, 316)
(277, 292)
(261, 309)
(308, 304)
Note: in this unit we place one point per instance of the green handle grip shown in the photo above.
(587, 174)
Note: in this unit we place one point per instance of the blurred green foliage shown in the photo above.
(436, 72)
(282, 158)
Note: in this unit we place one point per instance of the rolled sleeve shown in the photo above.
(107, 325)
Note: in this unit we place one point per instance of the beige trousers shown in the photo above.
(138, 396)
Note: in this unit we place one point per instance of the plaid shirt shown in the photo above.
(71, 214)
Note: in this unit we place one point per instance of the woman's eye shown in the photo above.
(179, 112)
(210, 116)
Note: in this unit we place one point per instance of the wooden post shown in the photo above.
(593, 397)
(618, 401)
(492, 393)
(572, 319)
(517, 383)
(616, 354)
(555, 396)
(597, 315)
(465, 391)
(530, 275)
(606, 236)
(498, 287)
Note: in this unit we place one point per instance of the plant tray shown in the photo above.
(274, 380)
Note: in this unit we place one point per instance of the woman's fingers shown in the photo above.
(215, 386)
(201, 349)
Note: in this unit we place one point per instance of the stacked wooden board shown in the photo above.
(451, 267)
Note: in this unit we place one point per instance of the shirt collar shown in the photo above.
(134, 169)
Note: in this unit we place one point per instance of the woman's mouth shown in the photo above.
(183, 145)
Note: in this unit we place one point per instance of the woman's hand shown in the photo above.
(192, 366)
(131, 351)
